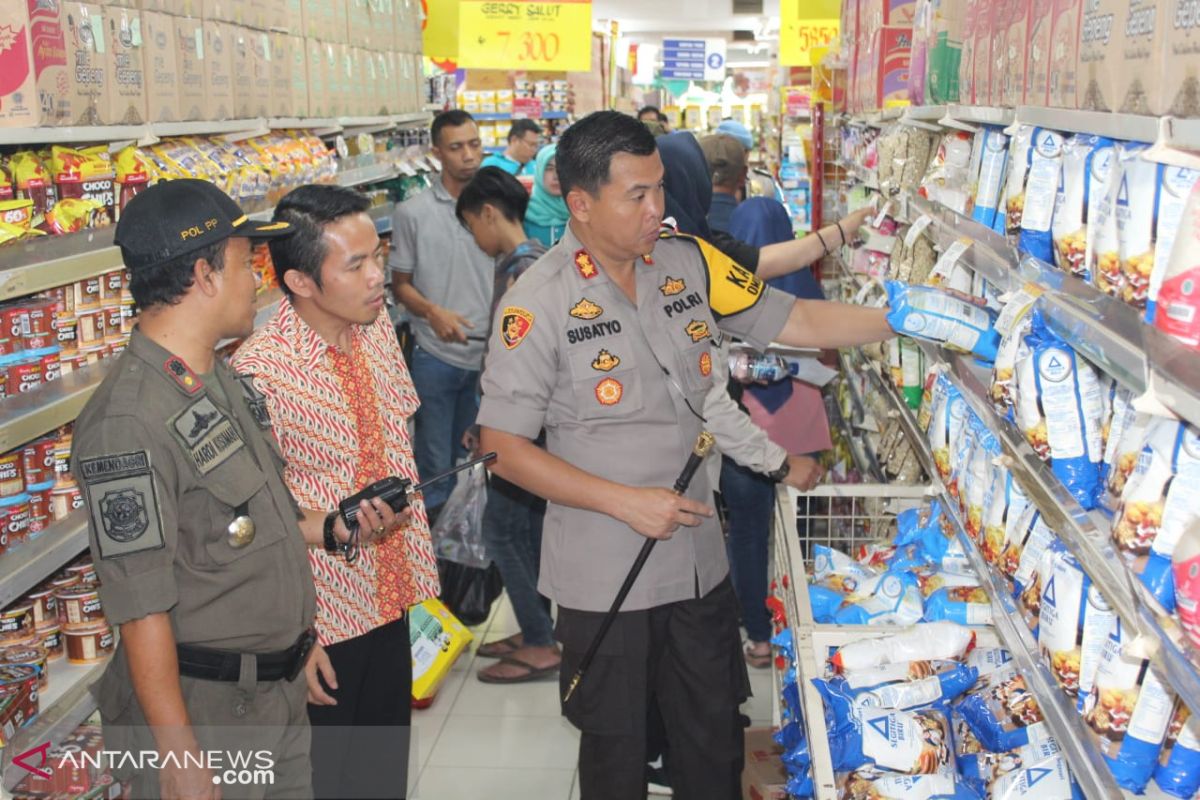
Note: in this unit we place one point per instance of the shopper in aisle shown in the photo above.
(653, 114)
(524, 138)
(726, 161)
(688, 187)
(731, 127)
(492, 206)
(619, 427)
(192, 529)
(445, 281)
(336, 388)
(793, 414)
(547, 215)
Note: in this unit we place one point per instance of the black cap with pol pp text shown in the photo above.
(173, 218)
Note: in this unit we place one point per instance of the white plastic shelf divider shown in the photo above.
(29, 415)
(1102, 123)
(27, 565)
(48, 261)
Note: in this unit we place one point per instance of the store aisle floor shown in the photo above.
(508, 742)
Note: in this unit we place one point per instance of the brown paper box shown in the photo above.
(126, 65)
(243, 73)
(763, 777)
(1001, 18)
(1064, 53)
(175, 7)
(190, 54)
(219, 90)
(298, 72)
(1012, 89)
(294, 17)
(1140, 88)
(1181, 78)
(279, 100)
(87, 46)
(1037, 74)
(1100, 42)
(318, 78)
(18, 84)
(161, 67)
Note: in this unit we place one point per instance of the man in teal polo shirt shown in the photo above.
(524, 139)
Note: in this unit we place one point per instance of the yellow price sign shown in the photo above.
(525, 35)
(798, 37)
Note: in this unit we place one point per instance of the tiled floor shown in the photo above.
(508, 742)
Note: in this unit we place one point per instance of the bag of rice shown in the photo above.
(1159, 502)
(1041, 187)
(1075, 621)
(1127, 712)
(1058, 408)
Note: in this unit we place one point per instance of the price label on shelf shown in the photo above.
(945, 264)
(883, 214)
(915, 230)
(525, 35)
(527, 108)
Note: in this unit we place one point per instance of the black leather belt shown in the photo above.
(211, 664)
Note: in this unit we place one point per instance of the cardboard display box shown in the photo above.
(189, 40)
(126, 66)
(87, 65)
(219, 93)
(887, 70)
(1181, 78)
(764, 777)
(161, 67)
(298, 77)
(1064, 53)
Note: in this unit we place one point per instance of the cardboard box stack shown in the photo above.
(125, 63)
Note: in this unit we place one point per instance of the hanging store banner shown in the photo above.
(525, 35)
(801, 29)
(439, 31)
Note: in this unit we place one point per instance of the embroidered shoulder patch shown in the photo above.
(515, 325)
(672, 287)
(609, 392)
(182, 375)
(698, 330)
(208, 436)
(256, 400)
(587, 268)
(122, 503)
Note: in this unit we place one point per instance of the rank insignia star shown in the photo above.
(587, 268)
(672, 287)
(586, 309)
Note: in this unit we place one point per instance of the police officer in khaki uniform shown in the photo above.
(608, 343)
(193, 533)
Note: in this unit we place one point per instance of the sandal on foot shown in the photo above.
(756, 660)
(531, 673)
(500, 647)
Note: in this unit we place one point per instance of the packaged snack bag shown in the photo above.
(908, 742)
(933, 641)
(1178, 773)
(1159, 502)
(1002, 514)
(1041, 186)
(966, 605)
(32, 182)
(1175, 184)
(989, 180)
(1004, 715)
(1103, 245)
(1125, 444)
(933, 315)
(1137, 212)
(1127, 713)
(894, 600)
(71, 214)
(947, 418)
(1058, 409)
(133, 175)
(871, 784)
(1075, 621)
(904, 695)
(1071, 204)
(85, 175)
(1178, 303)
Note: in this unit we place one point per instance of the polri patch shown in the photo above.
(586, 309)
(182, 375)
(584, 264)
(123, 503)
(257, 402)
(672, 286)
(515, 325)
(609, 392)
(208, 437)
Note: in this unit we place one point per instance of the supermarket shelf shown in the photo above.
(28, 564)
(48, 261)
(205, 128)
(1174, 374)
(381, 215)
(29, 415)
(293, 123)
(1101, 123)
(93, 133)
(546, 115)
(363, 175)
(65, 704)
(981, 115)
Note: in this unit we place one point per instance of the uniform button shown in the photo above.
(239, 710)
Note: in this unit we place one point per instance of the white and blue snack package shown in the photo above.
(1041, 187)
(904, 695)
(1178, 774)
(868, 784)
(989, 181)
(1049, 779)
(896, 600)
(933, 315)
(1059, 409)
(825, 603)
(911, 742)
(1003, 509)
(1004, 715)
(981, 770)
(966, 605)
(1128, 713)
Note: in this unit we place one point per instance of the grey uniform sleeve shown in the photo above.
(129, 483)
(741, 303)
(737, 435)
(521, 368)
(403, 255)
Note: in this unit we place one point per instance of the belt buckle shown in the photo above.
(304, 646)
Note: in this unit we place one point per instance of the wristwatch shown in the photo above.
(778, 475)
(332, 545)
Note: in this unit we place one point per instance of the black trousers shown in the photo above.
(360, 746)
(686, 658)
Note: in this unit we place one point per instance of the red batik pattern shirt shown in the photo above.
(341, 421)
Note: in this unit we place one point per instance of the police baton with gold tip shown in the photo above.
(704, 443)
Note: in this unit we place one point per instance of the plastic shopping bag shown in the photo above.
(458, 533)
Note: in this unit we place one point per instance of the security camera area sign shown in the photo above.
(693, 59)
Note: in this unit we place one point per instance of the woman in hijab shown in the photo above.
(793, 415)
(547, 215)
